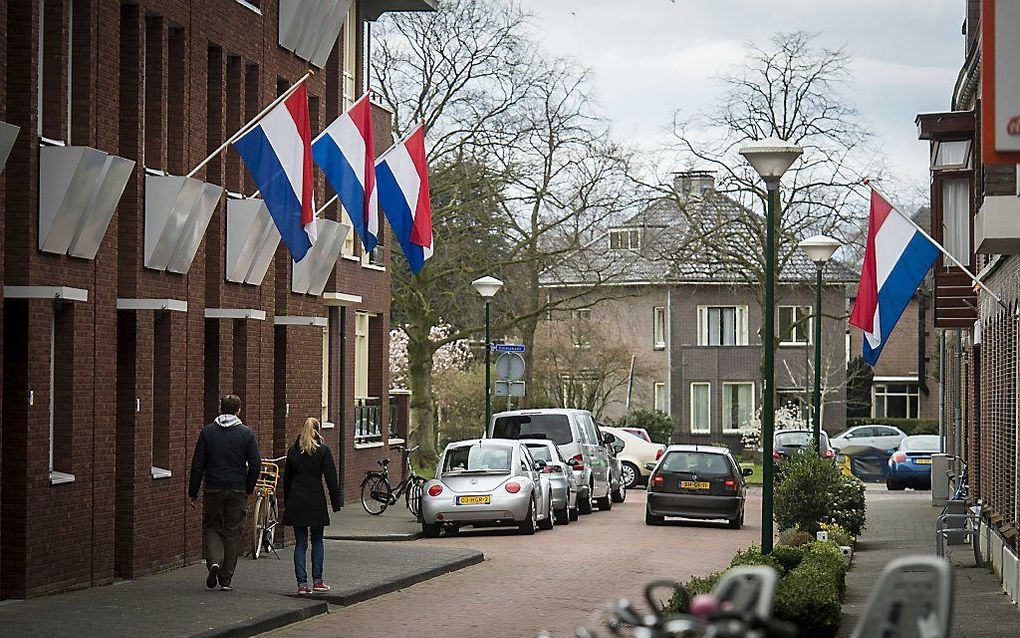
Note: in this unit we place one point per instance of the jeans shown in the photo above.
(301, 553)
(222, 523)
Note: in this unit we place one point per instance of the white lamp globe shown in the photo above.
(487, 287)
(771, 157)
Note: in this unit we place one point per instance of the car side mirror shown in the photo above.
(573, 463)
(539, 466)
(746, 471)
(848, 435)
(649, 466)
(607, 438)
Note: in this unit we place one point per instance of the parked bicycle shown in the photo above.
(377, 493)
(266, 513)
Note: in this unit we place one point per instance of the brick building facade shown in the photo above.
(111, 368)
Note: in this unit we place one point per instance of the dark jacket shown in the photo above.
(303, 497)
(226, 455)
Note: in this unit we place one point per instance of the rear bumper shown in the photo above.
(694, 505)
(505, 508)
(910, 473)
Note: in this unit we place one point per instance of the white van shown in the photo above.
(578, 439)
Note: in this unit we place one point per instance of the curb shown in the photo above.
(404, 536)
(266, 622)
(401, 583)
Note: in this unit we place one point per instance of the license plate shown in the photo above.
(474, 500)
(695, 485)
(922, 461)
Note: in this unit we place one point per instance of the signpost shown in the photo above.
(507, 347)
(509, 370)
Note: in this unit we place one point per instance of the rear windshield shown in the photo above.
(700, 463)
(478, 457)
(801, 439)
(540, 452)
(921, 443)
(555, 427)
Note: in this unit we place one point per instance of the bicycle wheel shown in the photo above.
(272, 520)
(375, 494)
(258, 517)
(413, 495)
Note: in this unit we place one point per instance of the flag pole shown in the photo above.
(398, 143)
(353, 104)
(251, 123)
(977, 282)
(322, 209)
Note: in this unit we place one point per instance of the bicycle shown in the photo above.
(266, 513)
(377, 494)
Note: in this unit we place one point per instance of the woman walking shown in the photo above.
(308, 461)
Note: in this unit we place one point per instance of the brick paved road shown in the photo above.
(551, 581)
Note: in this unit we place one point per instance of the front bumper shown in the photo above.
(694, 505)
(505, 508)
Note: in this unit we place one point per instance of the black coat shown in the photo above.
(303, 496)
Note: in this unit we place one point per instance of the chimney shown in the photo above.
(688, 184)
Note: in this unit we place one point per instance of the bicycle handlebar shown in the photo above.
(276, 460)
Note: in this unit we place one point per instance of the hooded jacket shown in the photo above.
(226, 455)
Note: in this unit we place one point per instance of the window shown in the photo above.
(161, 406)
(325, 375)
(54, 89)
(701, 404)
(556, 427)
(576, 391)
(956, 217)
(61, 399)
(360, 355)
(154, 96)
(794, 402)
(626, 239)
(658, 328)
(894, 400)
(350, 57)
(795, 325)
(737, 405)
(580, 327)
(661, 398)
(722, 325)
(950, 155)
(348, 247)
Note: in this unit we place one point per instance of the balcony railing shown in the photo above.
(394, 419)
(367, 420)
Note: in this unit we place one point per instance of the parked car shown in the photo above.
(486, 483)
(575, 434)
(883, 437)
(618, 490)
(641, 433)
(696, 481)
(634, 453)
(786, 443)
(560, 477)
(910, 465)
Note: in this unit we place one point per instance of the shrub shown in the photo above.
(837, 534)
(682, 596)
(753, 556)
(789, 556)
(811, 594)
(795, 537)
(849, 505)
(658, 424)
(805, 494)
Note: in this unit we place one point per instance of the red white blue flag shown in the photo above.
(345, 152)
(897, 258)
(403, 182)
(278, 154)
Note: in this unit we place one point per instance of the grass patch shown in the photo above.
(755, 478)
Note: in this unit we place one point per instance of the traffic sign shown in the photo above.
(510, 366)
(505, 388)
(507, 347)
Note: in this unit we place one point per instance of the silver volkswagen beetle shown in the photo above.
(486, 483)
(559, 476)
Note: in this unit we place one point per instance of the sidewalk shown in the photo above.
(903, 523)
(353, 523)
(176, 603)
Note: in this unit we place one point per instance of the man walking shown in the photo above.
(227, 456)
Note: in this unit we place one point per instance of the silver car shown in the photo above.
(559, 476)
(486, 483)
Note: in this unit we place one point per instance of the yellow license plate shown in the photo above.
(922, 461)
(474, 500)
(695, 485)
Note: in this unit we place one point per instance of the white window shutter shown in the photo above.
(741, 325)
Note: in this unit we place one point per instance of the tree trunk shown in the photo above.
(419, 368)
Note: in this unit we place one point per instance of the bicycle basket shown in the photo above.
(269, 476)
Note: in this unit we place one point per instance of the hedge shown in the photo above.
(910, 426)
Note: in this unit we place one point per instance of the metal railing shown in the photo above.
(394, 431)
(367, 420)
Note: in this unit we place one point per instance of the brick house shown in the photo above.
(692, 324)
(113, 359)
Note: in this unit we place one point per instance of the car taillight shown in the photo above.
(552, 469)
(577, 462)
(658, 454)
(828, 454)
(730, 484)
(775, 455)
(899, 457)
(435, 490)
(513, 488)
(658, 479)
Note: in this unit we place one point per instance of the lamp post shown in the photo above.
(819, 249)
(487, 287)
(770, 158)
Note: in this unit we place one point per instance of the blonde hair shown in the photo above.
(309, 441)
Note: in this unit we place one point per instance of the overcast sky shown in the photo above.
(652, 57)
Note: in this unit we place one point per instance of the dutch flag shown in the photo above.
(403, 182)
(277, 152)
(346, 154)
(897, 258)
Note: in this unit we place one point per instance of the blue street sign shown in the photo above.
(507, 347)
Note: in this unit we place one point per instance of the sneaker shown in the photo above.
(226, 588)
(211, 579)
(303, 589)
(320, 587)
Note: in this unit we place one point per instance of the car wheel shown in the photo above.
(894, 485)
(572, 513)
(530, 523)
(630, 475)
(547, 522)
(736, 523)
(453, 530)
(430, 530)
(620, 494)
(563, 516)
(652, 519)
(584, 503)
(606, 502)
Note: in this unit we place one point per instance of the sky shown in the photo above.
(651, 58)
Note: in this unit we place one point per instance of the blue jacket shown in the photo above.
(226, 455)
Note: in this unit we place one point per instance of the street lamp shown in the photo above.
(487, 287)
(770, 158)
(819, 249)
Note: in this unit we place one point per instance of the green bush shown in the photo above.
(682, 595)
(812, 490)
(658, 424)
(910, 426)
(789, 556)
(753, 556)
(795, 537)
(837, 534)
(849, 505)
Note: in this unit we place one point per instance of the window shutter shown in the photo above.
(702, 326)
(741, 325)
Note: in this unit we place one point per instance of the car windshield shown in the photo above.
(801, 439)
(478, 457)
(920, 444)
(700, 463)
(540, 452)
(555, 427)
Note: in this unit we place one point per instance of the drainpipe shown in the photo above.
(669, 352)
(942, 391)
(958, 404)
(922, 342)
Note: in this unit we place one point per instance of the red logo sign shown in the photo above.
(1013, 127)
